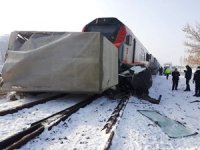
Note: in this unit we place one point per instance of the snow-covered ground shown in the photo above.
(81, 131)
(134, 131)
(13, 123)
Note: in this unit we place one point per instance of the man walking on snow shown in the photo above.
(175, 78)
(188, 75)
(196, 79)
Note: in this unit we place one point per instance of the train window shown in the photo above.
(147, 57)
(129, 40)
(150, 56)
(109, 31)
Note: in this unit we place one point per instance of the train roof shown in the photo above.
(109, 20)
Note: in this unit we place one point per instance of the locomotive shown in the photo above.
(132, 54)
(105, 54)
(131, 51)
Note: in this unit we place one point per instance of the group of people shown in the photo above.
(188, 76)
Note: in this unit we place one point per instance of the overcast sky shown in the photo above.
(158, 24)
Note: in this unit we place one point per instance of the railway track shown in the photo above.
(14, 123)
(114, 119)
(19, 139)
(36, 128)
(80, 132)
(30, 104)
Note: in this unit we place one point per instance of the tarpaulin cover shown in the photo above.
(172, 128)
(60, 61)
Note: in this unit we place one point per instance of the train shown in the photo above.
(131, 53)
(104, 55)
(131, 50)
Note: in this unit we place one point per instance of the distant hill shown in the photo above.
(3, 46)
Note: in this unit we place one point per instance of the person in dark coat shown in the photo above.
(188, 75)
(160, 71)
(196, 79)
(175, 78)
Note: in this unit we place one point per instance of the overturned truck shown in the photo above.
(60, 62)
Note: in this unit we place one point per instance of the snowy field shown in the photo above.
(134, 131)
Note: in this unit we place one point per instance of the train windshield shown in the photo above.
(109, 31)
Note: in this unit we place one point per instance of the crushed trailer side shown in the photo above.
(72, 62)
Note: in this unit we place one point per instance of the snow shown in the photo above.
(83, 129)
(137, 69)
(3, 99)
(6, 103)
(135, 131)
(13, 123)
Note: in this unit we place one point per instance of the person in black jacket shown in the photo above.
(196, 79)
(188, 75)
(160, 71)
(175, 78)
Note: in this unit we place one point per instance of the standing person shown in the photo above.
(196, 79)
(160, 71)
(175, 78)
(188, 75)
(167, 72)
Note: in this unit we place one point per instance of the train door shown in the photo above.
(133, 56)
(121, 52)
(128, 49)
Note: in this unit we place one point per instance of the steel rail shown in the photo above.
(114, 118)
(31, 104)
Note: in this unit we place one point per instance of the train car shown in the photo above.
(132, 53)
(131, 50)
